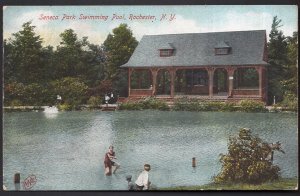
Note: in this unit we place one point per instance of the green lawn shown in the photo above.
(283, 184)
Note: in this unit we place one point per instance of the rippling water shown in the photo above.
(65, 151)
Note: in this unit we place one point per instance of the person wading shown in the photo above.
(109, 161)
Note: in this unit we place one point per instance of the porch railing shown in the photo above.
(140, 92)
(246, 92)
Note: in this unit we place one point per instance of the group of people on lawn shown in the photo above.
(142, 182)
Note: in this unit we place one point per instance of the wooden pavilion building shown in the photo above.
(213, 66)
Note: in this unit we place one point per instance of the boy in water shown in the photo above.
(130, 183)
(142, 182)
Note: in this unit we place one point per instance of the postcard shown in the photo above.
(148, 97)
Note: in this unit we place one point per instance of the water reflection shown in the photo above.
(50, 115)
(51, 112)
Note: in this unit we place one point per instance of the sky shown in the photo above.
(51, 21)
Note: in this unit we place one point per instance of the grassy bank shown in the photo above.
(282, 184)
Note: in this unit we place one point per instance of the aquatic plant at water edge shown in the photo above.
(249, 160)
(252, 106)
(94, 101)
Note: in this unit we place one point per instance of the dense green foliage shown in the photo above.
(248, 161)
(185, 104)
(23, 55)
(31, 94)
(290, 101)
(252, 106)
(283, 69)
(76, 69)
(148, 103)
(72, 90)
(94, 101)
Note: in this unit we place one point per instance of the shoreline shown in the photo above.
(281, 184)
(269, 109)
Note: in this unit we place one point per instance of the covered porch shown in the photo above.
(201, 82)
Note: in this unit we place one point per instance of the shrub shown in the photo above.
(252, 106)
(148, 103)
(290, 101)
(180, 104)
(31, 94)
(72, 90)
(130, 106)
(228, 107)
(213, 106)
(13, 91)
(16, 102)
(247, 160)
(152, 103)
(196, 105)
(94, 101)
(65, 107)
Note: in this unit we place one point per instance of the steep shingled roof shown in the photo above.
(198, 49)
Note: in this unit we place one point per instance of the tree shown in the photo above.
(27, 68)
(47, 56)
(22, 54)
(68, 62)
(94, 58)
(79, 58)
(290, 83)
(118, 48)
(9, 68)
(248, 160)
(277, 55)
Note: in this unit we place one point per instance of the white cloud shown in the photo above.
(179, 25)
(34, 17)
(248, 21)
(50, 33)
(41, 29)
(86, 30)
(234, 21)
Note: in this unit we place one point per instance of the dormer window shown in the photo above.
(222, 49)
(166, 50)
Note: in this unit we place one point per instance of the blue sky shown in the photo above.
(188, 19)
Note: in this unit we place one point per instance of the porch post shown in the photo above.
(154, 75)
(210, 71)
(259, 70)
(264, 84)
(140, 80)
(172, 73)
(129, 80)
(230, 71)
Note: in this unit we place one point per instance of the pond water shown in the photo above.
(65, 151)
